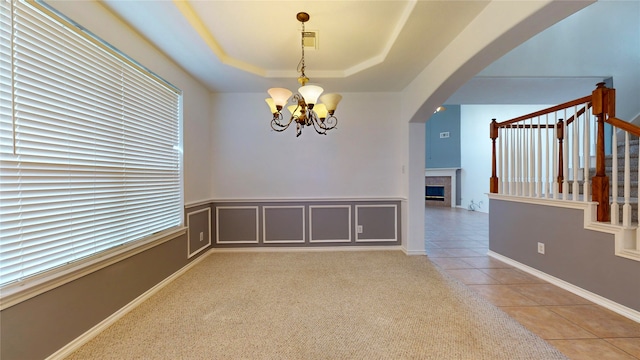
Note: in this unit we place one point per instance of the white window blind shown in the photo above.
(89, 145)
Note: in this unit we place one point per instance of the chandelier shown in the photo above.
(305, 111)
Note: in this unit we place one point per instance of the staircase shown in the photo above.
(634, 150)
(530, 153)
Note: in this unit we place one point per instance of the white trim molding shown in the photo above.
(595, 298)
(18, 292)
(295, 249)
(450, 172)
(256, 240)
(395, 222)
(311, 207)
(626, 237)
(104, 324)
(264, 225)
(208, 243)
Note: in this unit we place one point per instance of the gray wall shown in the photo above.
(581, 257)
(306, 223)
(40, 326)
(443, 152)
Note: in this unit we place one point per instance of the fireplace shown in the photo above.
(437, 191)
(440, 187)
(434, 192)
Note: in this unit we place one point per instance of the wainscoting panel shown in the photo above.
(237, 225)
(330, 223)
(283, 224)
(377, 222)
(305, 223)
(198, 230)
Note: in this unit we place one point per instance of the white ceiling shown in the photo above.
(523, 90)
(364, 46)
(247, 46)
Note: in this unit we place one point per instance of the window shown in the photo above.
(89, 145)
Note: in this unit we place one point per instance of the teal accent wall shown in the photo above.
(443, 152)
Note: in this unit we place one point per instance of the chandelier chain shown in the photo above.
(301, 64)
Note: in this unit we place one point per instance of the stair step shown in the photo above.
(634, 155)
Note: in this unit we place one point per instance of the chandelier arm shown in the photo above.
(317, 125)
(296, 99)
(330, 122)
(276, 122)
(280, 128)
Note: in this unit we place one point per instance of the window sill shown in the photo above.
(18, 292)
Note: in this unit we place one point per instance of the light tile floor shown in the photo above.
(457, 241)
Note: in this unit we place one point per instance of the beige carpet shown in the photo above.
(316, 305)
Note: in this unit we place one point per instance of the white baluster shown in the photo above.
(549, 187)
(554, 137)
(524, 163)
(576, 154)
(539, 164)
(521, 161)
(586, 185)
(505, 168)
(525, 160)
(518, 160)
(532, 161)
(615, 207)
(514, 170)
(626, 208)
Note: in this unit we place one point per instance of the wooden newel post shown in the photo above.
(600, 182)
(493, 185)
(560, 136)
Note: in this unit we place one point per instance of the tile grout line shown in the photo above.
(448, 229)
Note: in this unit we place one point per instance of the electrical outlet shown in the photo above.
(201, 236)
(540, 248)
(444, 135)
(359, 229)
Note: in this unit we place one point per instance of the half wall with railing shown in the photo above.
(558, 154)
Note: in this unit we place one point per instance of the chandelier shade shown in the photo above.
(280, 96)
(321, 110)
(272, 105)
(295, 110)
(310, 93)
(331, 101)
(305, 111)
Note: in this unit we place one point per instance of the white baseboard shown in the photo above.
(595, 298)
(415, 252)
(307, 249)
(94, 331)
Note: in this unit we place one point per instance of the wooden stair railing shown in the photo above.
(602, 105)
